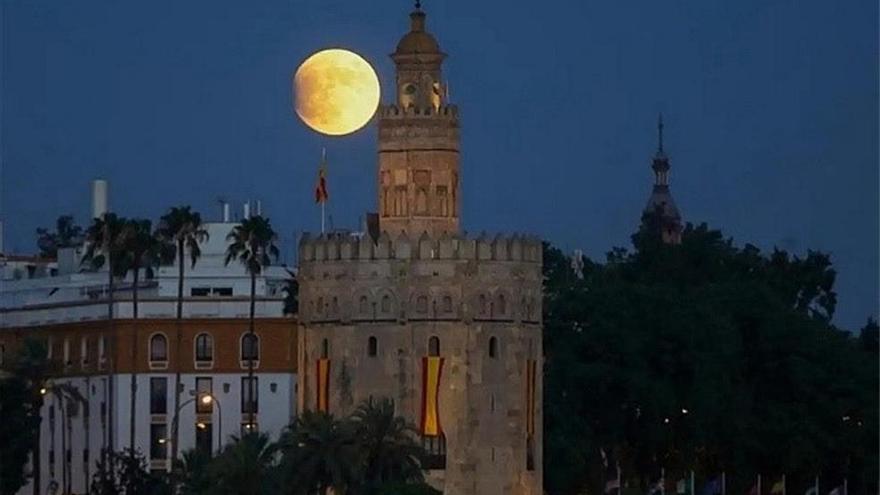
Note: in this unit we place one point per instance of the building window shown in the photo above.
(362, 305)
(204, 388)
(483, 304)
(205, 438)
(386, 303)
(200, 291)
(158, 348)
(493, 347)
(222, 291)
(325, 349)
(204, 348)
(158, 395)
(422, 304)
(434, 346)
(501, 305)
(84, 350)
(372, 346)
(67, 352)
(250, 347)
(435, 452)
(320, 306)
(447, 304)
(158, 439)
(249, 393)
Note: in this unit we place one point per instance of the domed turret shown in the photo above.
(418, 59)
(417, 40)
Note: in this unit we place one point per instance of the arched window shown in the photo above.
(386, 303)
(325, 349)
(433, 346)
(482, 304)
(158, 348)
(362, 305)
(422, 304)
(372, 346)
(320, 306)
(250, 347)
(501, 305)
(204, 347)
(493, 347)
(447, 304)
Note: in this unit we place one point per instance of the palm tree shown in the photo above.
(252, 243)
(320, 453)
(193, 471)
(179, 230)
(67, 234)
(246, 466)
(141, 251)
(103, 247)
(387, 442)
(291, 294)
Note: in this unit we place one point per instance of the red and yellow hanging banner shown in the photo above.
(323, 385)
(531, 371)
(432, 369)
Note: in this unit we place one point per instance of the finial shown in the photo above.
(418, 4)
(660, 132)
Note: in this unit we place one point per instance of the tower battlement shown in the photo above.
(391, 112)
(343, 247)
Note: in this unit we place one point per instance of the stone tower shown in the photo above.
(446, 325)
(418, 142)
(660, 214)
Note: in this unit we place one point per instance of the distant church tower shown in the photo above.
(446, 325)
(660, 215)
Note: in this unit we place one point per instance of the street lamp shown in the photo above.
(205, 398)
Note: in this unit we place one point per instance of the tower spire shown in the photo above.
(660, 132)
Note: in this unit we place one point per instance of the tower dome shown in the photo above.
(417, 40)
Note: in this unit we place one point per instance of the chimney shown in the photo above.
(226, 216)
(99, 198)
(247, 209)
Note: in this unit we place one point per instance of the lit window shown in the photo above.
(204, 347)
(158, 348)
(158, 441)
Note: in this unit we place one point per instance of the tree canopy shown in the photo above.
(703, 356)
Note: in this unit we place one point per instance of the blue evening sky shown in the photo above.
(771, 111)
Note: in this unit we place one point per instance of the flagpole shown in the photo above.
(323, 172)
(322, 217)
(723, 483)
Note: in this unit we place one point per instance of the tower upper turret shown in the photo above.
(418, 59)
(418, 142)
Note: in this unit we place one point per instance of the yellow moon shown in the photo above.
(336, 92)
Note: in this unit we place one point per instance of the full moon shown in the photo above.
(335, 92)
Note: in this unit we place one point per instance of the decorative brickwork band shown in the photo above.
(531, 370)
(323, 385)
(432, 369)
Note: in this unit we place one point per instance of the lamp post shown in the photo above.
(205, 398)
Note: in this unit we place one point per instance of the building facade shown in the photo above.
(96, 359)
(446, 325)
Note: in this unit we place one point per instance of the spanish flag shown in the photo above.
(432, 369)
(321, 194)
(323, 385)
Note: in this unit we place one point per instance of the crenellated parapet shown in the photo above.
(484, 247)
(354, 278)
(414, 112)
